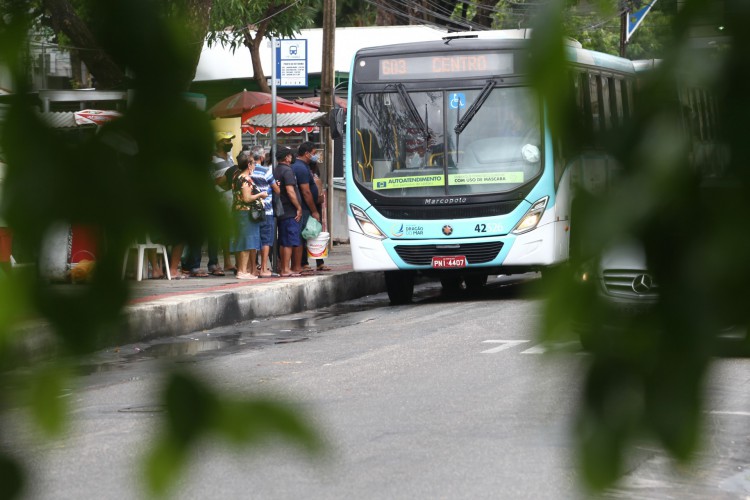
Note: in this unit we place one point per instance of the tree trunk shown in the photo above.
(65, 20)
(253, 45)
(76, 69)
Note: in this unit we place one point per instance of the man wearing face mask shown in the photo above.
(309, 191)
(222, 173)
(265, 181)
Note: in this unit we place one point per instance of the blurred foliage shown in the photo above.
(195, 412)
(646, 371)
(145, 173)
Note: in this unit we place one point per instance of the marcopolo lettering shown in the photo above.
(444, 201)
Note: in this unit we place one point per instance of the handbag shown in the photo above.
(256, 209)
(312, 229)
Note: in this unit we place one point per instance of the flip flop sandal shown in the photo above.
(199, 274)
(218, 272)
(324, 268)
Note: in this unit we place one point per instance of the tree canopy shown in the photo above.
(247, 24)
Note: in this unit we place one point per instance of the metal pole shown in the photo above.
(623, 30)
(273, 100)
(44, 65)
(326, 102)
(275, 250)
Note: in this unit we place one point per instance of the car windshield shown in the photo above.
(420, 144)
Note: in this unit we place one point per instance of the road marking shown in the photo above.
(537, 349)
(573, 346)
(504, 344)
(737, 413)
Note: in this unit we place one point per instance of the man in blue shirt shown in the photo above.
(289, 222)
(263, 178)
(309, 192)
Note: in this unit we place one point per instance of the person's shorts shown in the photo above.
(289, 233)
(6, 239)
(266, 231)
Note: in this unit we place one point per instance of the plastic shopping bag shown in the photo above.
(311, 229)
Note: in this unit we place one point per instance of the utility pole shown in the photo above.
(623, 29)
(326, 101)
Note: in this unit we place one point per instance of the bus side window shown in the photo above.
(624, 87)
(616, 103)
(603, 91)
(587, 113)
(594, 103)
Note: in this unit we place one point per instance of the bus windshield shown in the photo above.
(419, 143)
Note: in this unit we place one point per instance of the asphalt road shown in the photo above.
(444, 398)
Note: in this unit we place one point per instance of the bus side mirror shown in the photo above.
(336, 122)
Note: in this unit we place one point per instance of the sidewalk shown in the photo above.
(163, 307)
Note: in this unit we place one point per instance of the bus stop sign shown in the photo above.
(291, 63)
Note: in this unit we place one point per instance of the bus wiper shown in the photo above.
(413, 110)
(461, 125)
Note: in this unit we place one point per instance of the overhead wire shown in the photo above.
(476, 19)
(408, 9)
(405, 15)
(430, 8)
(421, 12)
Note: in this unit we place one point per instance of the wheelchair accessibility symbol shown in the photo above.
(457, 100)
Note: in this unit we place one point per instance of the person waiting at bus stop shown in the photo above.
(246, 238)
(289, 223)
(262, 176)
(321, 203)
(222, 173)
(306, 153)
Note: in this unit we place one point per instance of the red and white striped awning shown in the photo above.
(286, 123)
(95, 116)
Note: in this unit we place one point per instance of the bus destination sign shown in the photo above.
(445, 66)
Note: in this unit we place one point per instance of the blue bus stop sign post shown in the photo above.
(291, 63)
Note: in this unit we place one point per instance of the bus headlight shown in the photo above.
(532, 217)
(366, 225)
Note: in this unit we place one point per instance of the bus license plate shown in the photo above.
(453, 262)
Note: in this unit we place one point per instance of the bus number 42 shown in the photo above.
(483, 228)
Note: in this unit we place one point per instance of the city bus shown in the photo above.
(451, 170)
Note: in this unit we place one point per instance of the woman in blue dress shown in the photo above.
(246, 240)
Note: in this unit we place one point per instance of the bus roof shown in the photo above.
(499, 40)
(452, 43)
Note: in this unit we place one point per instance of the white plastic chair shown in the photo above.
(143, 264)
